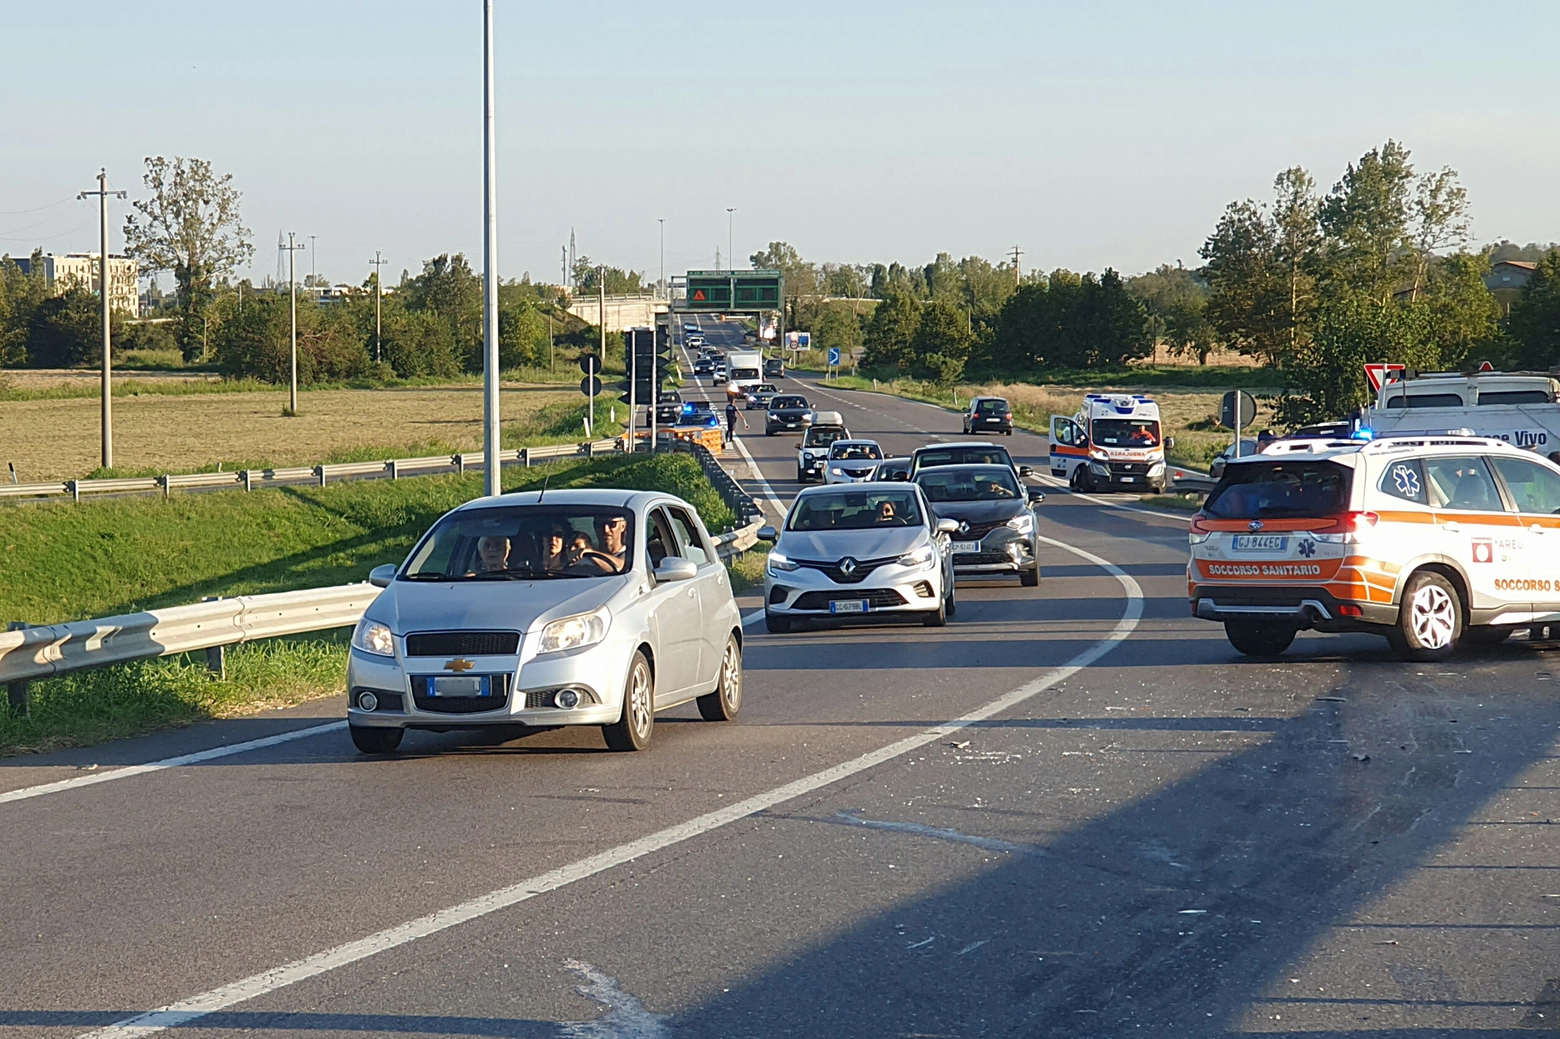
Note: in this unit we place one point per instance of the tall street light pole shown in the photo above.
(731, 257)
(103, 194)
(292, 310)
(379, 294)
(313, 272)
(492, 477)
(662, 221)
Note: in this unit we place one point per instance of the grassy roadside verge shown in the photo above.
(103, 558)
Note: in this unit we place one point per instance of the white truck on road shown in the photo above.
(1517, 407)
(744, 371)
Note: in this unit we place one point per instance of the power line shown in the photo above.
(40, 209)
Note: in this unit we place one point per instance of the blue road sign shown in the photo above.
(804, 340)
(834, 357)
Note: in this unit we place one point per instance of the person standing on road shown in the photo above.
(732, 414)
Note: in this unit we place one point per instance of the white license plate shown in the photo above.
(1258, 543)
(965, 547)
(850, 606)
(462, 685)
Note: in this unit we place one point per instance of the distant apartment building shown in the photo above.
(80, 270)
(1507, 279)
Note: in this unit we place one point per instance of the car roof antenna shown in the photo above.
(544, 488)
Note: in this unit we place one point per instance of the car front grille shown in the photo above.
(877, 598)
(831, 569)
(1128, 469)
(856, 474)
(462, 643)
(978, 531)
(981, 558)
(539, 698)
(460, 704)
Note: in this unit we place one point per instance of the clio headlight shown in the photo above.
(922, 556)
(778, 561)
(1024, 522)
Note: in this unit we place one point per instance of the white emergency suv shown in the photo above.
(1517, 407)
(1113, 443)
(1427, 538)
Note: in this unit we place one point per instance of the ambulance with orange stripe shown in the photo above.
(1427, 538)
(1113, 443)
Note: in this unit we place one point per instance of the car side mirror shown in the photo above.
(1036, 496)
(768, 533)
(381, 576)
(1025, 470)
(947, 526)
(1169, 443)
(676, 568)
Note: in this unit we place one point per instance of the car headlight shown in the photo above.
(922, 556)
(778, 561)
(837, 471)
(373, 637)
(585, 629)
(1099, 468)
(1157, 467)
(1024, 522)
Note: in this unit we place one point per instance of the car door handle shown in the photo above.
(1451, 525)
(1535, 528)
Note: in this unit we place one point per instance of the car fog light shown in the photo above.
(368, 701)
(568, 699)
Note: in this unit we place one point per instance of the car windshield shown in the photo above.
(1126, 432)
(788, 402)
(823, 436)
(764, 388)
(962, 456)
(846, 449)
(525, 542)
(1260, 490)
(989, 483)
(855, 510)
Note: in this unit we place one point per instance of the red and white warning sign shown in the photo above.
(1377, 374)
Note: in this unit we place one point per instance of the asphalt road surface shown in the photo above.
(1074, 811)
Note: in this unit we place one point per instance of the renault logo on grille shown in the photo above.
(847, 566)
(964, 527)
(460, 664)
(1255, 525)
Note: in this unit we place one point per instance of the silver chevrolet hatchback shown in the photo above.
(573, 607)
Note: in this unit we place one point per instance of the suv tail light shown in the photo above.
(1199, 531)
(1347, 528)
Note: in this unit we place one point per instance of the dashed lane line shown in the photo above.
(196, 1007)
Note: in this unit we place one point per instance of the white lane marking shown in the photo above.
(195, 1007)
(769, 492)
(157, 766)
(752, 618)
(626, 1017)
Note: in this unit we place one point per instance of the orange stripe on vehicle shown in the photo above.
(1070, 452)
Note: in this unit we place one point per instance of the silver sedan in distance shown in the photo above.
(860, 550)
(571, 607)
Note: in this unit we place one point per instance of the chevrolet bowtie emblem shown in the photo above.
(459, 664)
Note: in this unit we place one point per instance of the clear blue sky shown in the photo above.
(1091, 135)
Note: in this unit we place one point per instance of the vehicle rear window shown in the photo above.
(963, 456)
(995, 404)
(1514, 397)
(1262, 490)
(1425, 400)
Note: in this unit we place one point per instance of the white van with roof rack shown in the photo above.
(1517, 407)
(1427, 537)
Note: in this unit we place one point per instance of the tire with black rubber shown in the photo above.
(1430, 621)
(725, 702)
(636, 725)
(1029, 578)
(937, 618)
(951, 601)
(776, 625)
(1258, 638)
(375, 740)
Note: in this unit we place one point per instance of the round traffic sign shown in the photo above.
(590, 364)
(590, 385)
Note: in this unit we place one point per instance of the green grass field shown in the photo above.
(70, 562)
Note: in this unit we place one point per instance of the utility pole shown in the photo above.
(662, 221)
(490, 431)
(1017, 252)
(731, 257)
(103, 194)
(313, 273)
(379, 292)
(292, 285)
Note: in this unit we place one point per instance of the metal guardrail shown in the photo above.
(731, 492)
(249, 479)
(31, 653)
(1183, 479)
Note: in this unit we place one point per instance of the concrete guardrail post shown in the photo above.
(18, 695)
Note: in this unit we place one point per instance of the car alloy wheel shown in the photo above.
(1429, 620)
(725, 702)
(633, 730)
(1431, 613)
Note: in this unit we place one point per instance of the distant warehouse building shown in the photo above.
(80, 270)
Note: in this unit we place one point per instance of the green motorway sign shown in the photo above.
(734, 290)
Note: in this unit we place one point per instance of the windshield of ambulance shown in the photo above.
(1126, 432)
(1262, 490)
